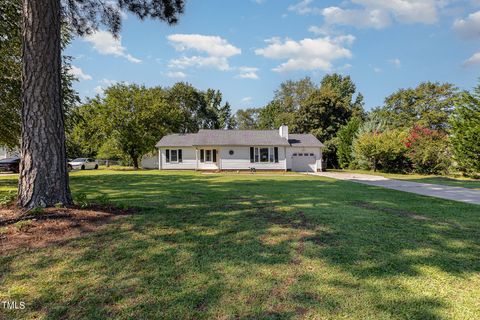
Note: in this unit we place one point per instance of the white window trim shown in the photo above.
(205, 155)
(271, 154)
(170, 156)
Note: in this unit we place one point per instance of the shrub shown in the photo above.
(384, 151)
(428, 150)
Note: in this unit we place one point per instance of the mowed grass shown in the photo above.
(253, 247)
(463, 182)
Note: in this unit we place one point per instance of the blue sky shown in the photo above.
(246, 48)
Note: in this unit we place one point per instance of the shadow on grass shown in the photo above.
(251, 247)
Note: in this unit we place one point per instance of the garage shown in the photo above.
(303, 162)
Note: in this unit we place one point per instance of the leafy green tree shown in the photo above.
(345, 89)
(11, 75)
(465, 138)
(345, 137)
(225, 118)
(247, 119)
(428, 105)
(322, 114)
(384, 151)
(191, 104)
(43, 179)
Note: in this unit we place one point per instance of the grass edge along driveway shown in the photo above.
(253, 247)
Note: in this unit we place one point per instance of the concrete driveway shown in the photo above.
(426, 189)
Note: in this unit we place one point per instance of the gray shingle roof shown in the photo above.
(177, 140)
(238, 138)
(304, 140)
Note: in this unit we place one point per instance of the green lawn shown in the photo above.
(253, 247)
(444, 180)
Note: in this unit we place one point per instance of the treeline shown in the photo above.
(431, 129)
(128, 120)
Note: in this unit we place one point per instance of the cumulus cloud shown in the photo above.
(360, 18)
(103, 84)
(176, 74)
(307, 54)
(468, 28)
(104, 43)
(248, 73)
(374, 13)
(215, 50)
(247, 99)
(79, 74)
(474, 59)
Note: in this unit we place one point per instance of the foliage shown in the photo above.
(322, 114)
(11, 75)
(428, 105)
(85, 16)
(345, 137)
(465, 123)
(384, 151)
(428, 150)
(247, 119)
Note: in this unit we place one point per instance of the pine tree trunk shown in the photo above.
(43, 177)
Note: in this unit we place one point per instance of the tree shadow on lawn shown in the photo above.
(252, 248)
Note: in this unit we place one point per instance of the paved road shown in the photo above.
(426, 189)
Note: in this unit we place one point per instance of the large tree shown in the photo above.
(11, 75)
(465, 138)
(43, 177)
(428, 105)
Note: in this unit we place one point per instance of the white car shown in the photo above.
(83, 164)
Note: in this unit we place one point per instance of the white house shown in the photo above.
(240, 150)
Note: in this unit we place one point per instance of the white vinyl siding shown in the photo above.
(240, 159)
(188, 159)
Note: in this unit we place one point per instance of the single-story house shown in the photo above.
(240, 150)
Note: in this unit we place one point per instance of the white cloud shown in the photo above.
(216, 49)
(176, 74)
(79, 74)
(220, 63)
(307, 54)
(377, 70)
(105, 43)
(248, 73)
(396, 62)
(468, 28)
(247, 99)
(474, 59)
(360, 18)
(303, 7)
(375, 13)
(104, 83)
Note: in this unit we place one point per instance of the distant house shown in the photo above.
(7, 153)
(240, 150)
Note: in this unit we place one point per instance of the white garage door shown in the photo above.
(304, 162)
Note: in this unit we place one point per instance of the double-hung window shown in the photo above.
(208, 155)
(173, 155)
(264, 154)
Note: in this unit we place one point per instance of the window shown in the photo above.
(208, 155)
(311, 154)
(264, 154)
(173, 155)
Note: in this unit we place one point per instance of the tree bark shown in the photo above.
(43, 177)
